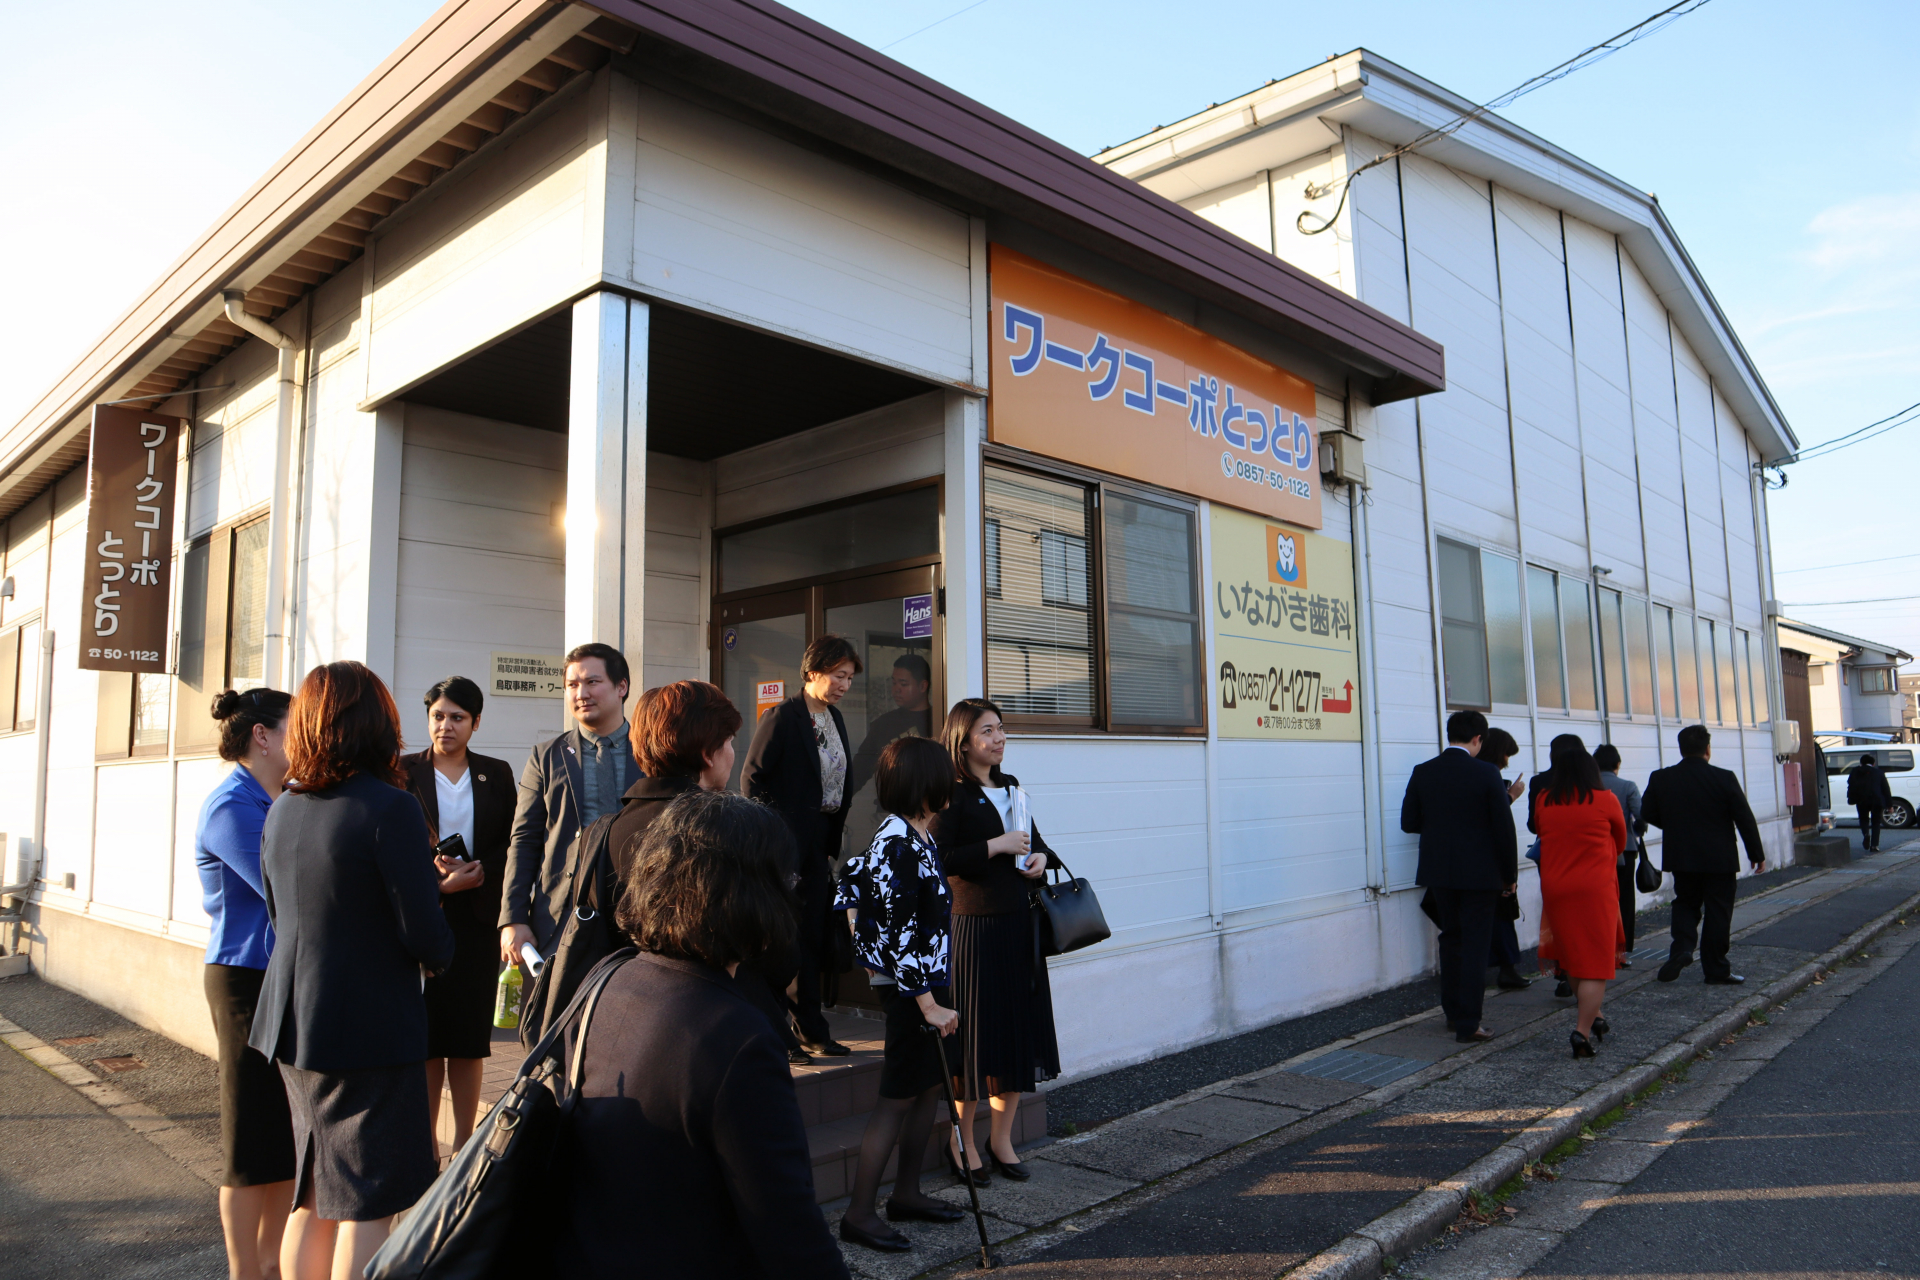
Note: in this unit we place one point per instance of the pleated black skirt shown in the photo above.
(256, 1128)
(460, 1001)
(1006, 1007)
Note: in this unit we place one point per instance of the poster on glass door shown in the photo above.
(1283, 624)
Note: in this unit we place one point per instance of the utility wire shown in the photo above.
(1826, 448)
(931, 25)
(1585, 58)
(1851, 563)
(1821, 604)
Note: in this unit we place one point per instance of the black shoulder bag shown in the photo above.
(587, 936)
(1071, 915)
(1646, 877)
(490, 1215)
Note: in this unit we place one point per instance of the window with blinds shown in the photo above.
(1092, 604)
(1153, 623)
(1039, 623)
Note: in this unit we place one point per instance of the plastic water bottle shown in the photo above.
(506, 999)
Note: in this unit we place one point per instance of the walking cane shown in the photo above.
(988, 1259)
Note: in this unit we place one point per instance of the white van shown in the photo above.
(1897, 762)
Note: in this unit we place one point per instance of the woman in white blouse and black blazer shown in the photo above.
(798, 766)
(463, 791)
(999, 978)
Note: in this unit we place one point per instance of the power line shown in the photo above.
(931, 25)
(1851, 563)
(1891, 422)
(1579, 61)
(1821, 604)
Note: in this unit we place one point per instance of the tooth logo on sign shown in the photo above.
(1286, 558)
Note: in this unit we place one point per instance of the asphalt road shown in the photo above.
(1808, 1169)
(81, 1194)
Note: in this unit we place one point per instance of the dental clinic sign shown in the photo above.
(1087, 376)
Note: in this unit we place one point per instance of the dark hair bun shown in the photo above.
(226, 704)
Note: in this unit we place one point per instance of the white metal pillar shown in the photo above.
(963, 563)
(607, 475)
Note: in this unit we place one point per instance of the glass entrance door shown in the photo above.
(758, 660)
(889, 618)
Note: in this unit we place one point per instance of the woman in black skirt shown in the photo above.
(897, 903)
(999, 980)
(472, 796)
(355, 905)
(256, 1133)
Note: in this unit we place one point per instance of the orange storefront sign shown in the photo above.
(1087, 376)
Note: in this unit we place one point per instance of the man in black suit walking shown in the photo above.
(1699, 807)
(1869, 794)
(1469, 858)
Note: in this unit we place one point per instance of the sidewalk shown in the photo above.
(1257, 1174)
(1347, 1126)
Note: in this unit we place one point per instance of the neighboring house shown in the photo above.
(1853, 683)
(1910, 707)
(1579, 514)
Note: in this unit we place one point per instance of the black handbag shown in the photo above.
(1647, 877)
(490, 1215)
(1071, 915)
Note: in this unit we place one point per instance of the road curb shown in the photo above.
(1364, 1253)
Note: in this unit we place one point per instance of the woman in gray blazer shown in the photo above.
(1607, 756)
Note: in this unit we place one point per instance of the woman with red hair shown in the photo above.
(354, 898)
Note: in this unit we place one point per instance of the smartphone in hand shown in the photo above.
(454, 846)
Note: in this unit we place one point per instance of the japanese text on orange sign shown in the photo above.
(1283, 632)
(1088, 376)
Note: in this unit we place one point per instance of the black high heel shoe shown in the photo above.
(1015, 1172)
(980, 1177)
(1602, 1028)
(1582, 1047)
(891, 1242)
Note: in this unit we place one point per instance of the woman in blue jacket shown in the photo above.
(256, 1131)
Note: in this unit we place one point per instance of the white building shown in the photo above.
(1577, 523)
(1852, 684)
(703, 335)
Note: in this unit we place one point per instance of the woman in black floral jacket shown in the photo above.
(896, 898)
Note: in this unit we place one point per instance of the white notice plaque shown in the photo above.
(527, 675)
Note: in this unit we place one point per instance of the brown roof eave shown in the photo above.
(780, 62)
(454, 47)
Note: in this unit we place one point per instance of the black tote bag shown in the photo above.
(490, 1216)
(1070, 914)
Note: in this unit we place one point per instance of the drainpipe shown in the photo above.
(42, 730)
(273, 648)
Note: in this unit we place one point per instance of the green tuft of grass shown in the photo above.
(1069, 1128)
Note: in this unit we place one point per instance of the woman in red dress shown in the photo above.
(1581, 834)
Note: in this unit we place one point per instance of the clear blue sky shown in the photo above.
(1783, 144)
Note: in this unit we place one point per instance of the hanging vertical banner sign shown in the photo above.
(131, 464)
(1087, 376)
(1283, 632)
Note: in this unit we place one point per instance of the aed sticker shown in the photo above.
(729, 638)
(767, 695)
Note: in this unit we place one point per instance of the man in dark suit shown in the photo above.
(1469, 859)
(569, 782)
(1869, 794)
(1699, 807)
